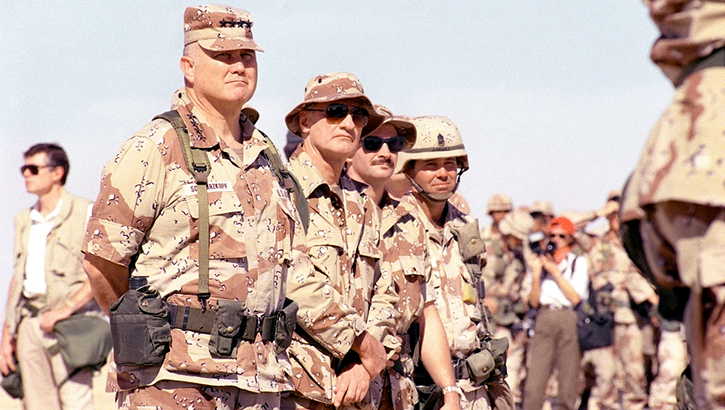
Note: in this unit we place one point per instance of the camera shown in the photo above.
(539, 245)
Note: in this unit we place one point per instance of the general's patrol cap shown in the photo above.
(219, 28)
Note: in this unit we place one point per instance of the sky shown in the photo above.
(554, 100)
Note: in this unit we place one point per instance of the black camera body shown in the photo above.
(543, 248)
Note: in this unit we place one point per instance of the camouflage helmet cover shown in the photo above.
(500, 202)
(437, 137)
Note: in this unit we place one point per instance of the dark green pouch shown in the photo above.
(13, 383)
(84, 341)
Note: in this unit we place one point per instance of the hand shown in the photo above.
(372, 353)
(353, 383)
(50, 317)
(7, 361)
(451, 401)
(491, 304)
(547, 262)
(536, 267)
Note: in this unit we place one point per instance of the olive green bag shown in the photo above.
(84, 341)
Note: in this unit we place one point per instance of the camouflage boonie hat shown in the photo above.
(219, 28)
(251, 113)
(334, 87)
(517, 223)
(543, 207)
(437, 137)
(500, 202)
(614, 195)
(402, 126)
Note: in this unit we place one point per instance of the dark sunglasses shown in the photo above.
(335, 113)
(34, 169)
(560, 235)
(373, 143)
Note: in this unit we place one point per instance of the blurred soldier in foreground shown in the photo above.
(334, 367)
(48, 285)
(674, 204)
(455, 253)
(504, 294)
(404, 238)
(195, 231)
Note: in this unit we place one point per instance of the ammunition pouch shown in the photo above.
(471, 245)
(228, 320)
(140, 328)
(286, 323)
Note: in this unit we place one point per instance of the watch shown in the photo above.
(452, 388)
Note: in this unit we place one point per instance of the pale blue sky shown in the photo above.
(554, 100)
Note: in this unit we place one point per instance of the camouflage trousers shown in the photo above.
(476, 400)
(172, 395)
(672, 361)
(599, 370)
(515, 360)
(691, 238)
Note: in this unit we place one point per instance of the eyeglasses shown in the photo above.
(335, 113)
(559, 235)
(34, 169)
(373, 143)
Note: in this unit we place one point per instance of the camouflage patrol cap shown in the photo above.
(219, 28)
(402, 126)
(437, 137)
(500, 202)
(543, 207)
(517, 223)
(331, 87)
(251, 113)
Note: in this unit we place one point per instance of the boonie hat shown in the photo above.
(500, 202)
(334, 87)
(403, 127)
(517, 223)
(251, 113)
(219, 28)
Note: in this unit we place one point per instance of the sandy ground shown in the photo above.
(103, 400)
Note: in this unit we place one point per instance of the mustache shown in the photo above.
(383, 161)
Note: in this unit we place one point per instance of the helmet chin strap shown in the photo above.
(436, 197)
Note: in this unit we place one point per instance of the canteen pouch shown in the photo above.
(480, 365)
(224, 336)
(140, 328)
(286, 323)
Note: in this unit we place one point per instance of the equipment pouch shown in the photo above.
(480, 365)
(286, 323)
(140, 328)
(469, 240)
(498, 349)
(228, 321)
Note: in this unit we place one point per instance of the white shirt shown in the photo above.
(552, 295)
(34, 283)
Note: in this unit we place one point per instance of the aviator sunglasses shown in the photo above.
(373, 143)
(335, 113)
(34, 169)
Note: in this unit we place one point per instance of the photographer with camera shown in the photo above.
(559, 281)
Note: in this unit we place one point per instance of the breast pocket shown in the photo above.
(226, 224)
(325, 247)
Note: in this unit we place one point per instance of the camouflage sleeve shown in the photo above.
(129, 198)
(638, 288)
(382, 315)
(322, 313)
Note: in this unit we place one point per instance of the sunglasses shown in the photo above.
(34, 169)
(373, 143)
(558, 235)
(335, 113)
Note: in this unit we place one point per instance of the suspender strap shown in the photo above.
(198, 164)
(287, 180)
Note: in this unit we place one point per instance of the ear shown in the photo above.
(187, 67)
(57, 174)
(305, 122)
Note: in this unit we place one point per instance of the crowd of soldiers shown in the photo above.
(354, 276)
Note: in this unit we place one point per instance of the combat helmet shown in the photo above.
(437, 137)
(500, 202)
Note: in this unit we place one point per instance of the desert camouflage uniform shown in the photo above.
(404, 238)
(676, 190)
(504, 276)
(147, 206)
(460, 308)
(671, 362)
(343, 241)
(625, 358)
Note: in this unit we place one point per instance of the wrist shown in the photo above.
(71, 305)
(449, 390)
